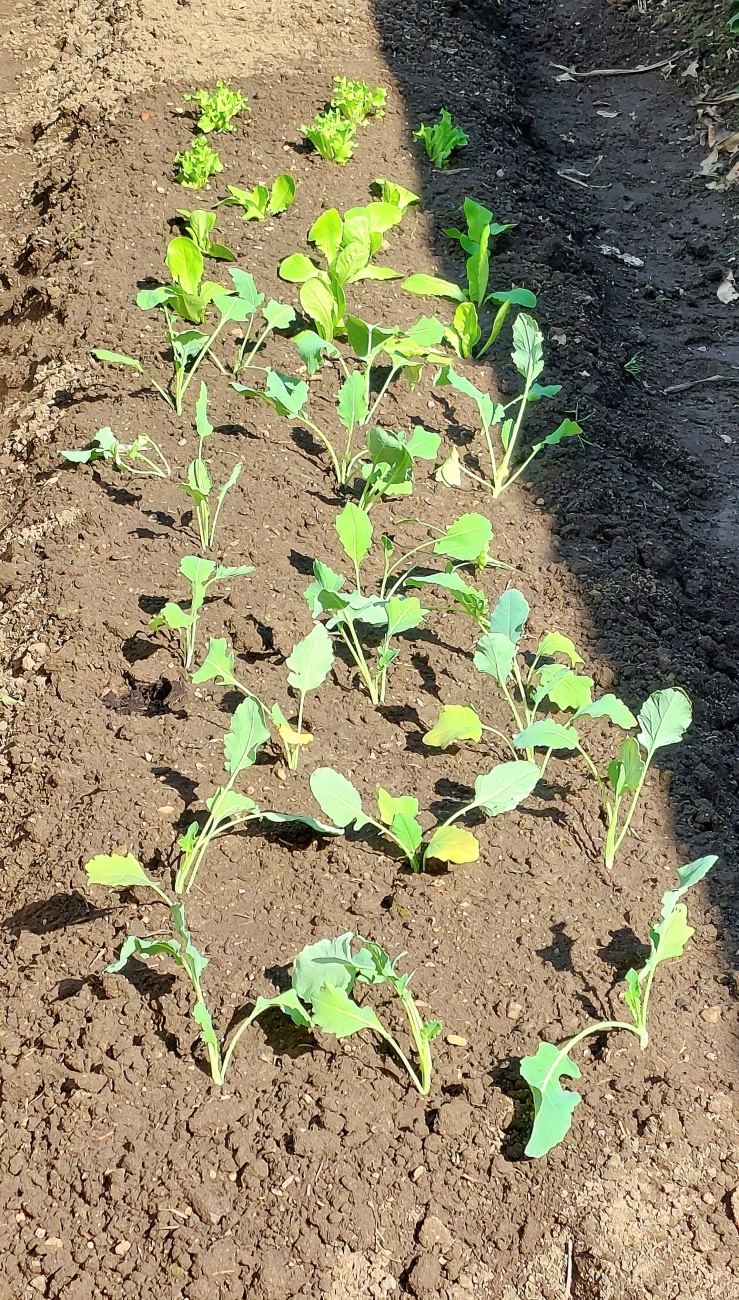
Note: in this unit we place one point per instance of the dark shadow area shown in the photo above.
(55, 913)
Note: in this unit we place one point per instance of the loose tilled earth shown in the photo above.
(316, 1172)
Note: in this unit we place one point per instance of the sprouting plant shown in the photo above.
(496, 792)
(397, 195)
(466, 330)
(323, 979)
(263, 201)
(199, 485)
(196, 165)
(553, 1104)
(128, 458)
(228, 808)
(733, 23)
(356, 101)
(441, 139)
(332, 135)
(308, 664)
(634, 365)
(528, 358)
(201, 574)
(389, 470)
(198, 226)
(188, 296)
(389, 612)
(218, 107)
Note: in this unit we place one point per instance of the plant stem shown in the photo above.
(602, 1026)
(616, 840)
(423, 1046)
(325, 443)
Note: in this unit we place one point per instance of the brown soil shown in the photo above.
(123, 1172)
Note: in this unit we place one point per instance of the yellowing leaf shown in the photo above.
(453, 844)
(455, 722)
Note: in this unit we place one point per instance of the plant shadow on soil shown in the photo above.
(635, 507)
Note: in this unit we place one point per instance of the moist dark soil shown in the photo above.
(316, 1170)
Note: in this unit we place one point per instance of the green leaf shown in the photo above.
(320, 303)
(324, 580)
(389, 806)
(202, 423)
(663, 719)
(466, 538)
(566, 690)
(403, 614)
(546, 734)
(553, 1105)
(246, 288)
(494, 656)
(351, 404)
(326, 234)
(297, 268)
(567, 429)
(185, 263)
(396, 194)
(282, 194)
(510, 614)
(337, 798)
(519, 297)
(608, 706)
(554, 643)
(329, 961)
(466, 328)
(311, 661)
(354, 528)
(246, 734)
(505, 787)
(312, 348)
(670, 936)
(116, 872)
(453, 844)
(527, 354)
(136, 947)
(278, 315)
(430, 286)
(335, 1013)
(477, 266)
(626, 771)
(441, 139)
(287, 395)
(287, 1002)
(455, 722)
(116, 358)
(407, 830)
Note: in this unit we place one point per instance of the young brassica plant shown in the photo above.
(199, 485)
(553, 1104)
(218, 107)
(127, 458)
(332, 135)
(198, 225)
(227, 807)
(263, 201)
(356, 101)
(496, 792)
(441, 139)
(528, 358)
(201, 574)
(466, 330)
(196, 165)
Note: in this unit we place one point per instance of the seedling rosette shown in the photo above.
(441, 138)
(263, 201)
(201, 574)
(142, 457)
(218, 107)
(196, 165)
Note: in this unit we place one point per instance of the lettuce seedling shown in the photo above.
(441, 139)
(356, 102)
(189, 296)
(262, 202)
(496, 792)
(127, 458)
(528, 359)
(398, 195)
(308, 664)
(553, 1104)
(199, 485)
(332, 135)
(198, 226)
(227, 807)
(201, 574)
(218, 107)
(196, 165)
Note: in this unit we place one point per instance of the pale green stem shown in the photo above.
(600, 1028)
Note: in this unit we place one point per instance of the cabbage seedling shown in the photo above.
(227, 807)
(198, 226)
(323, 980)
(398, 817)
(199, 485)
(553, 1104)
(201, 574)
(441, 139)
(218, 107)
(528, 358)
(356, 101)
(196, 165)
(332, 135)
(129, 458)
(262, 202)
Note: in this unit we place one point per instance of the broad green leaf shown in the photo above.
(337, 798)
(326, 234)
(554, 643)
(632, 994)
(396, 194)
(546, 734)
(312, 348)
(608, 706)
(202, 423)
(403, 614)
(567, 429)
(329, 961)
(282, 194)
(278, 315)
(505, 787)
(494, 656)
(225, 571)
(173, 616)
(663, 719)
(225, 804)
(289, 1003)
(566, 690)
(246, 288)
(466, 328)
(472, 600)
(374, 273)
(669, 937)
(450, 472)
(311, 661)
(520, 297)
(318, 300)
(197, 569)
(390, 806)
(136, 947)
(351, 404)
(553, 1104)
(510, 614)
(453, 844)
(423, 444)
(478, 268)
(297, 268)
(246, 734)
(352, 259)
(324, 580)
(408, 831)
(116, 872)
(335, 1013)
(466, 538)
(280, 818)
(116, 358)
(628, 768)
(527, 354)
(430, 286)
(185, 263)
(455, 722)
(146, 299)
(354, 528)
